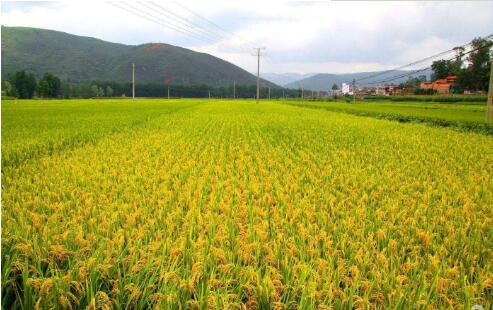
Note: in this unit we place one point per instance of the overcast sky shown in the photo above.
(299, 36)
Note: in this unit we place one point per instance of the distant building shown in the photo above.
(441, 86)
(346, 89)
(386, 90)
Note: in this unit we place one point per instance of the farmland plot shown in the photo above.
(229, 204)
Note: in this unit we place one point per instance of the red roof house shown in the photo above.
(442, 86)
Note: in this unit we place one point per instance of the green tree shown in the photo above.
(457, 63)
(334, 93)
(7, 89)
(478, 71)
(24, 84)
(441, 69)
(109, 91)
(95, 90)
(49, 86)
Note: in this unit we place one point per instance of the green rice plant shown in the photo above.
(232, 204)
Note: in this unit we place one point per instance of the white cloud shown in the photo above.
(300, 36)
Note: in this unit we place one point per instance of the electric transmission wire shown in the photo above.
(192, 27)
(170, 19)
(152, 18)
(221, 31)
(487, 45)
(419, 61)
(209, 33)
(226, 33)
(190, 23)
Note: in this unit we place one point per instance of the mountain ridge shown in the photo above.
(80, 59)
(285, 78)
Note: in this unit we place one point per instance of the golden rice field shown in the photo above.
(200, 204)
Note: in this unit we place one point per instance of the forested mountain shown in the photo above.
(79, 59)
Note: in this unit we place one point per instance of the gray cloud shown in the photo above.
(444, 21)
(296, 33)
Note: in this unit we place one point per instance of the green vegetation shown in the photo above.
(464, 116)
(49, 86)
(22, 85)
(230, 204)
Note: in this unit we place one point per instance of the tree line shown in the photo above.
(24, 85)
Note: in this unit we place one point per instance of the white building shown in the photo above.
(346, 89)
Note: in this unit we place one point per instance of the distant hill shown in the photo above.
(324, 81)
(78, 59)
(285, 78)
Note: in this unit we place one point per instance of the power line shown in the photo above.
(172, 20)
(400, 76)
(419, 61)
(184, 21)
(227, 32)
(149, 17)
(180, 25)
(487, 45)
(167, 18)
(188, 20)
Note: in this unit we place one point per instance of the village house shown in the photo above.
(441, 86)
(386, 90)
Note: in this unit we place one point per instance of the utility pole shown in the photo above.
(258, 74)
(489, 108)
(133, 81)
(302, 93)
(269, 93)
(354, 90)
(209, 94)
(168, 92)
(234, 89)
(258, 53)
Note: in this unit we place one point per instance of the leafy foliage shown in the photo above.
(24, 84)
(441, 69)
(49, 86)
